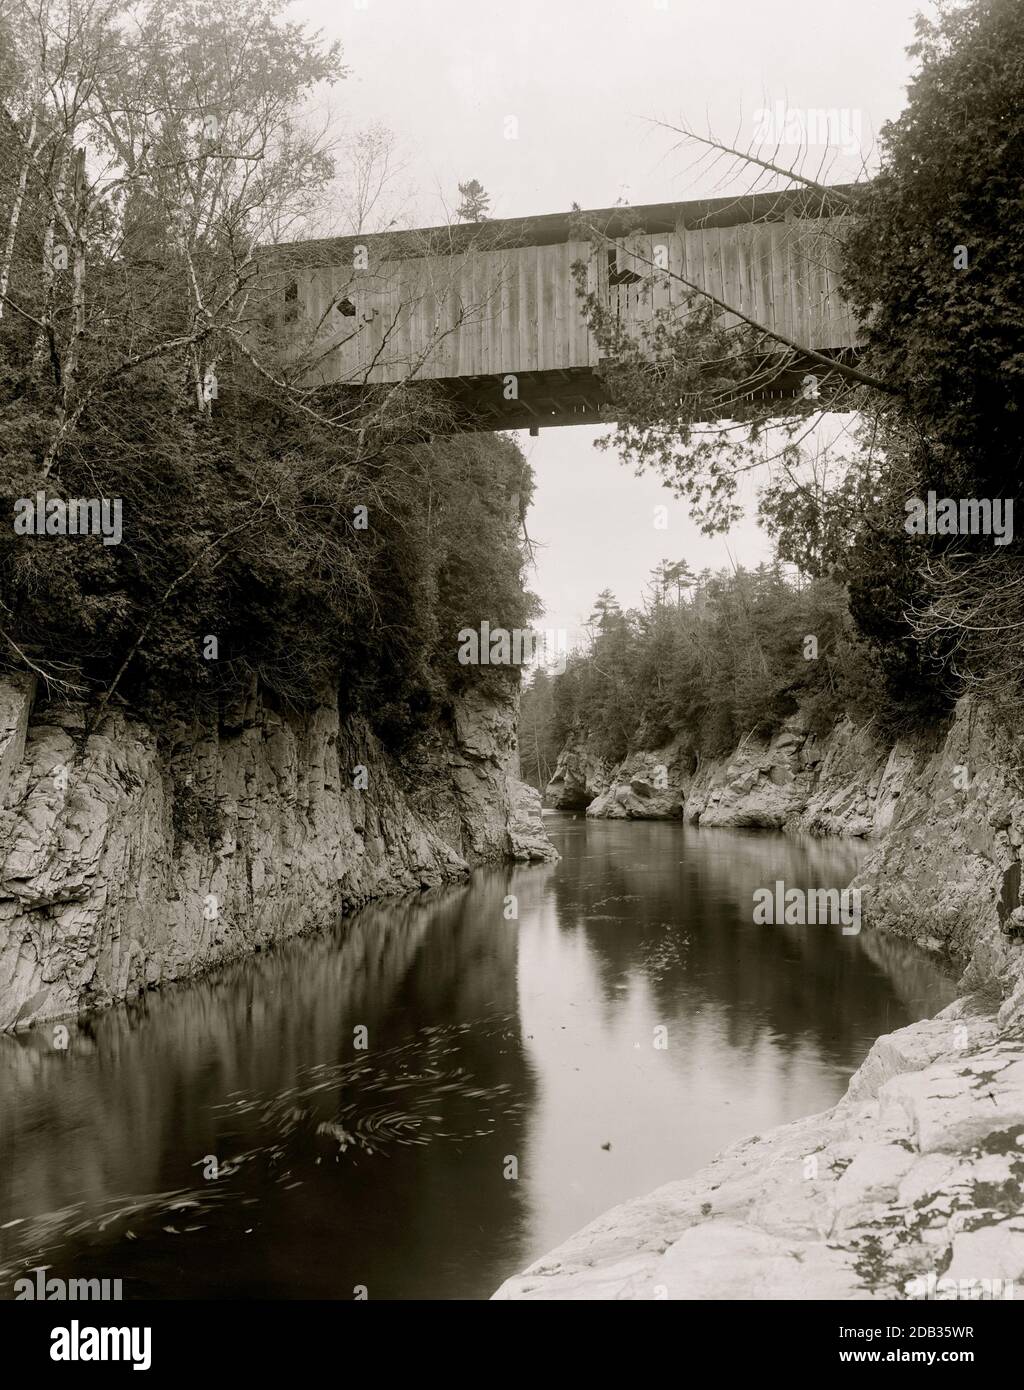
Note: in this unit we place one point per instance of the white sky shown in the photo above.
(584, 79)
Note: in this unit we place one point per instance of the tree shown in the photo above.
(155, 163)
(934, 263)
(370, 165)
(671, 574)
(934, 266)
(606, 611)
(475, 202)
(539, 736)
(709, 674)
(165, 146)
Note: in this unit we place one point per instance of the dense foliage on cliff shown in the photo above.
(947, 329)
(933, 263)
(935, 268)
(734, 655)
(150, 156)
(248, 534)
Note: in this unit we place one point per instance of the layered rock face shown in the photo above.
(578, 778)
(647, 785)
(945, 812)
(841, 784)
(844, 783)
(129, 859)
(945, 815)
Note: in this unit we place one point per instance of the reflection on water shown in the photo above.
(345, 1112)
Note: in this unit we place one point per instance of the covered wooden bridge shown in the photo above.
(489, 311)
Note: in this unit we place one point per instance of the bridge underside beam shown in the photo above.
(576, 396)
(573, 396)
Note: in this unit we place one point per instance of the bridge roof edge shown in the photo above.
(548, 229)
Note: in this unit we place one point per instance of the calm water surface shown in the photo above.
(489, 1041)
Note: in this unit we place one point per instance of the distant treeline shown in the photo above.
(726, 654)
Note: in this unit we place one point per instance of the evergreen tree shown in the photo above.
(475, 203)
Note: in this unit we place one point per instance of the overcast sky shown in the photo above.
(584, 81)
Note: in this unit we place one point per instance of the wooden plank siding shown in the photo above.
(520, 312)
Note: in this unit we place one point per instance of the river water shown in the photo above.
(232, 1138)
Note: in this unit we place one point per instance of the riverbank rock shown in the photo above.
(579, 777)
(947, 872)
(648, 785)
(132, 857)
(766, 783)
(911, 1187)
(841, 783)
(528, 840)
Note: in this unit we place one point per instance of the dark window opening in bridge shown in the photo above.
(620, 277)
(291, 291)
(346, 308)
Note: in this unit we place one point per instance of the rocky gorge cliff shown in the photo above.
(913, 1185)
(131, 856)
(844, 782)
(943, 812)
